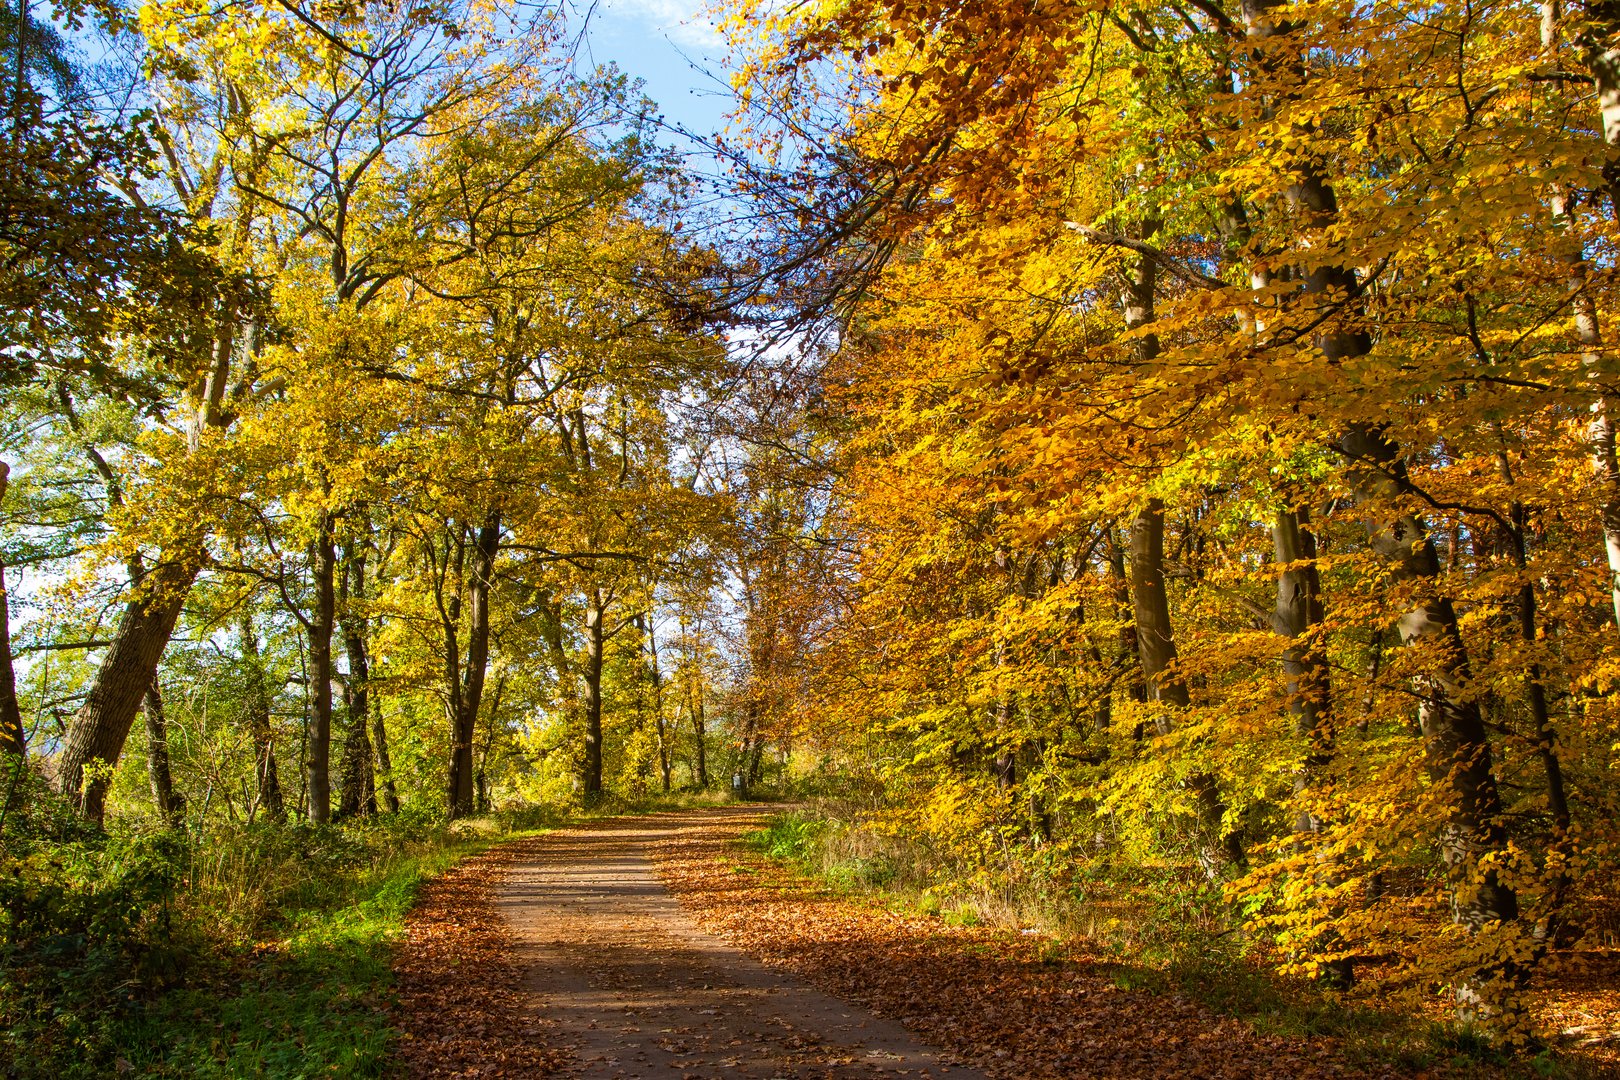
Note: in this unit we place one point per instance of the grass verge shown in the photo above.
(314, 1003)
(258, 950)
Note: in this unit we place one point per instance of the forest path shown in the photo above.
(616, 967)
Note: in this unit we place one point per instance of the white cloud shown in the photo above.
(687, 23)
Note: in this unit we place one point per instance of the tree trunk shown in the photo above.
(742, 771)
(566, 686)
(1600, 433)
(699, 728)
(1600, 438)
(1004, 764)
(661, 728)
(96, 738)
(1156, 645)
(1129, 654)
(1297, 612)
(385, 764)
(1150, 602)
(756, 762)
(1150, 608)
(491, 720)
(266, 777)
(171, 806)
(358, 795)
(1457, 750)
(323, 559)
(1102, 716)
(1602, 55)
(1551, 923)
(463, 799)
(449, 599)
(595, 644)
(13, 737)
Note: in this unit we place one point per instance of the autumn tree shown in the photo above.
(1193, 276)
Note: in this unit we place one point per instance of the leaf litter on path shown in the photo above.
(476, 999)
(992, 996)
(464, 1007)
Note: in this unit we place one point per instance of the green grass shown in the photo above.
(791, 837)
(247, 951)
(307, 990)
(242, 950)
(610, 804)
(314, 1004)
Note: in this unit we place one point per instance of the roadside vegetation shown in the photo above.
(248, 950)
(1156, 933)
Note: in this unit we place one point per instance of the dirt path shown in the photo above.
(620, 971)
(567, 956)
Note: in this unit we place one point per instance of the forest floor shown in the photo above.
(655, 946)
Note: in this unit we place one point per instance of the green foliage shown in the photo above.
(802, 840)
(249, 950)
(791, 837)
(875, 872)
(86, 925)
(315, 1002)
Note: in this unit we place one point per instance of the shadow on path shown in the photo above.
(618, 968)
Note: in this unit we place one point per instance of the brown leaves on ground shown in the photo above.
(1580, 1001)
(464, 1008)
(992, 996)
(1012, 1004)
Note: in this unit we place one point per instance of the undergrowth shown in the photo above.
(242, 949)
(245, 950)
(1155, 931)
(613, 804)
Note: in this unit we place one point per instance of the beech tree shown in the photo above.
(1200, 275)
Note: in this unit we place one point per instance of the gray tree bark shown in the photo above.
(1150, 602)
(96, 738)
(171, 805)
(323, 560)
(1457, 751)
(1601, 49)
(486, 546)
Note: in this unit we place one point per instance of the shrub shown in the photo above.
(86, 928)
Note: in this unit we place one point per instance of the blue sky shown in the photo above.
(674, 47)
